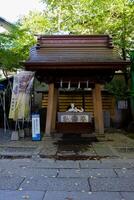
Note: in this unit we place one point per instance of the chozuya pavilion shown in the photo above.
(78, 62)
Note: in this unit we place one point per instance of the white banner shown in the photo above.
(20, 101)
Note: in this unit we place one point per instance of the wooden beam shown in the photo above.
(98, 112)
(50, 106)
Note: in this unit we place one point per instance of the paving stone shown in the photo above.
(20, 162)
(31, 172)
(67, 164)
(45, 164)
(126, 155)
(1, 171)
(88, 153)
(105, 151)
(1, 150)
(3, 164)
(33, 163)
(66, 153)
(90, 164)
(10, 182)
(117, 163)
(21, 195)
(127, 195)
(87, 173)
(58, 164)
(50, 151)
(112, 184)
(50, 195)
(18, 151)
(56, 184)
(125, 172)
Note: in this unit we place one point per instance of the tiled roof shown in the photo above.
(90, 52)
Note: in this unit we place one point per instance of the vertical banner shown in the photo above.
(36, 127)
(20, 101)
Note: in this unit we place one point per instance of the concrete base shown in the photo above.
(15, 135)
(21, 133)
(27, 132)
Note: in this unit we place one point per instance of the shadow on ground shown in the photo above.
(68, 147)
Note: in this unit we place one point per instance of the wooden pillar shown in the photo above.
(98, 112)
(50, 107)
(54, 109)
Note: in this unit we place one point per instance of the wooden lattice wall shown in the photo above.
(84, 100)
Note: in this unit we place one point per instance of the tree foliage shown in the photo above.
(118, 88)
(14, 48)
(113, 17)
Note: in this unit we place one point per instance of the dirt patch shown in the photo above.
(75, 143)
(75, 157)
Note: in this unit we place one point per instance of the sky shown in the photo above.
(11, 10)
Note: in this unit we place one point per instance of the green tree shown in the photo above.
(14, 48)
(118, 88)
(114, 17)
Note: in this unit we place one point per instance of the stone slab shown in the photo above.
(125, 172)
(58, 164)
(88, 164)
(87, 173)
(33, 163)
(16, 154)
(55, 184)
(19, 162)
(50, 151)
(10, 182)
(66, 153)
(88, 153)
(45, 163)
(104, 151)
(50, 195)
(112, 184)
(127, 195)
(106, 164)
(21, 195)
(117, 163)
(4, 163)
(70, 164)
(31, 172)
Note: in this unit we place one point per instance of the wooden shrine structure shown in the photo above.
(74, 61)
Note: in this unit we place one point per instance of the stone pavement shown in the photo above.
(48, 179)
(43, 170)
(113, 145)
